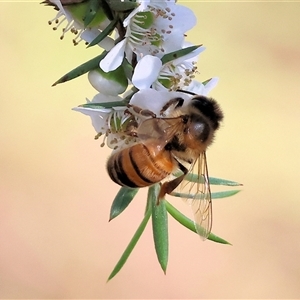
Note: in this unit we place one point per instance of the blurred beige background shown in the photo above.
(55, 196)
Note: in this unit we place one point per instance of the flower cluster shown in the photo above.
(146, 60)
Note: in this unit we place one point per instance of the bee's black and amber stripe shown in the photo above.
(139, 166)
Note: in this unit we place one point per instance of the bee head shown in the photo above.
(209, 108)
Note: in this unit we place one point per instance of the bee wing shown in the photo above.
(197, 194)
(159, 131)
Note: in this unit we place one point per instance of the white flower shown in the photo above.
(72, 15)
(111, 123)
(174, 75)
(203, 89)
(155, 28)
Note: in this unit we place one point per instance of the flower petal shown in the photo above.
(201, 89)
(97, 117)
(114, 57)
(184, 18)
(100, 98)
(154, 100)
(173, 42)
(146, 71)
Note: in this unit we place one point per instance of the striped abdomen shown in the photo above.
(139, 166)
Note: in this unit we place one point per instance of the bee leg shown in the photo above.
(177, 102)
(169, 186)
(141, 111)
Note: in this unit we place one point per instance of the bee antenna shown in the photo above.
(187, 92)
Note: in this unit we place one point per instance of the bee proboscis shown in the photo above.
(168, 144)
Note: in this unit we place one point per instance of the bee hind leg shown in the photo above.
(169, 186)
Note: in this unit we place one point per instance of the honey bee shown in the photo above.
(175, 141)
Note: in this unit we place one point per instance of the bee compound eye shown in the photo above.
(199, 130)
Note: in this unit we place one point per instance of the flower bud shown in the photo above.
(111, 83)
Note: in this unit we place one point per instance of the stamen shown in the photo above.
(55, 19)
(58, 23)
(61, 18)
(104, 139)
(115, 115)
(98, 135)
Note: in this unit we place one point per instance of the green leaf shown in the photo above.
(216, 195)
(179, 53)
(121, 201)
(111, 26)
(91, 12)
(128, 69)
(82, 69)
(212, 180)
(217, 239)
(219, 181)
(224, 194)
(188, 223)
(160, 227)
(123, 5)
(206, 81)
(106, 9)
(104, 104)
(131, 245)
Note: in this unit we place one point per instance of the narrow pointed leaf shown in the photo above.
(206, 81)
(111, 26)
(179, 53)
(121, 201)
(160, 227)
(219, 181)
(188, 223)
(212, 180)
(82, 69)
(224, 194)
(131, 245)
(91, 12)
(104, 104)
(215, 195)
(149, 203)
(107, 10)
